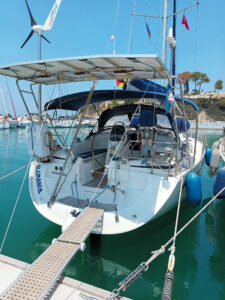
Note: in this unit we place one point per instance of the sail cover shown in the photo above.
(88, 68)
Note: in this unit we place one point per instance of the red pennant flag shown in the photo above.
(184, 21)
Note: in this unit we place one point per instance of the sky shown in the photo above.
(84, 27)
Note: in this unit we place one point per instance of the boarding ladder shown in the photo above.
(39, 277)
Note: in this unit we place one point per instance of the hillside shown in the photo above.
(212, 105)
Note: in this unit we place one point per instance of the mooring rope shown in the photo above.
(169, 277)
(21, 187)
(7, 175)
(143, 267)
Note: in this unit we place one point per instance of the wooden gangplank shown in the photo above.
(38, 279)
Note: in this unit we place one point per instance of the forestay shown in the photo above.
(87, 68)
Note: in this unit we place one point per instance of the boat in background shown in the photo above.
(4, 123)
(13, 122)
(59, 122)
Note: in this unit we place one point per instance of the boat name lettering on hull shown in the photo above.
(58, 173)
(38, 179)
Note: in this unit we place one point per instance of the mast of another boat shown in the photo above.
(11, 98)
(4, 100)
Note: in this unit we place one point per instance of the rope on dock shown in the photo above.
(143, 267)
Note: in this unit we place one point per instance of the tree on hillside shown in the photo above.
(185, 77)
(203, 79)
(219, 85)
(195, 76)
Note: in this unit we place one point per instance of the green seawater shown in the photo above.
(200, 249)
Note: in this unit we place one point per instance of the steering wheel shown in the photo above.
(117, 131)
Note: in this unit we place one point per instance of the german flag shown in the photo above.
(120, 83)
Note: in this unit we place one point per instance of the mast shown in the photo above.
(164, 31)
(174, 35)
(4, 100)
(11, 97)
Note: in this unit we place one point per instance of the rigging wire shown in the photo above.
(114, 25)
(116, 17)
(159, 38)
(129, 49)
(196, 34)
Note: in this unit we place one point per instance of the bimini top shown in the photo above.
(76, 101)
(87, 68)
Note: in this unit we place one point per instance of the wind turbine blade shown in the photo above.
(45, 39)
(33, 22)
(27, 39)
(52, 15)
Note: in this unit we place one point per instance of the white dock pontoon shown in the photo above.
(65, 288)
(38, 278)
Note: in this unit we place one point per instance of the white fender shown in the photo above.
(215, 160)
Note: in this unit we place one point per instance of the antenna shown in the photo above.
(40, 28)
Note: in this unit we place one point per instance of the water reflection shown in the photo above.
(107, 260)
(217, 259)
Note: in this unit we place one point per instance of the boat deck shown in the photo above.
(99, 180)
(39, 278)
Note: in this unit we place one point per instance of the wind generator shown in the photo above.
(39, 29)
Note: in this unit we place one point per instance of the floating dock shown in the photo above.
(39, 280)
(65, 288)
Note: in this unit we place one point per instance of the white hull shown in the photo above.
(222, 149)
(23, 124)
(4, 125)
(61, 124)
(13, 125)
(140, 198)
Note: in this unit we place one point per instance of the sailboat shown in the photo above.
(131, 168)
(7, 121)
(132, 162)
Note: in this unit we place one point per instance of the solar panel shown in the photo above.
(88, 68)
